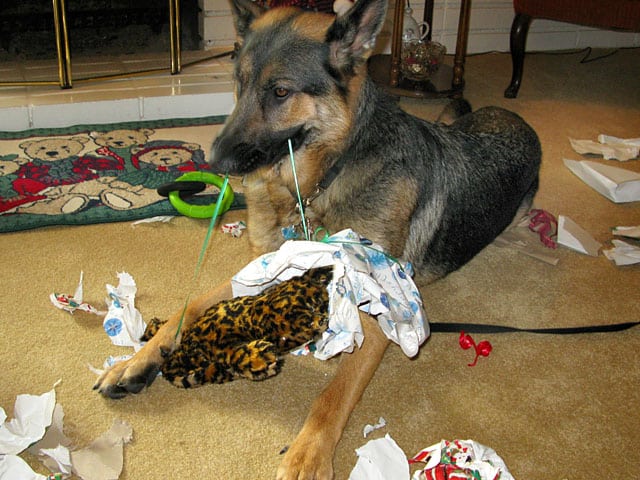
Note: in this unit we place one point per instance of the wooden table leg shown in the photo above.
(461, 46)
(396, 43)
(447, 81)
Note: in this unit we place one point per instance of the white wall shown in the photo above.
(489, 28)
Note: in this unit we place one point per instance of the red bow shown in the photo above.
(482, 349)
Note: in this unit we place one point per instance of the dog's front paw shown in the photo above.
(130, 376)
(307, 458)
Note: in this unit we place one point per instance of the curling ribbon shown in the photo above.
(483, 349)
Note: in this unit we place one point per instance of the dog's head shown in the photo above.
(298, 75)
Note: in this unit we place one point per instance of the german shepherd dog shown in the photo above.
(430, 193)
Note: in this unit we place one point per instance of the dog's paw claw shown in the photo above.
(119, 381)
(137, 383)
(151, 373)
(114, 392)
(131, 387)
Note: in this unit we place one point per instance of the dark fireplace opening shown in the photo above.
(95, 27)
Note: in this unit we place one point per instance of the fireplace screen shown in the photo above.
(94, 29)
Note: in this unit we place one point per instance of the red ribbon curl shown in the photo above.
(483, 349)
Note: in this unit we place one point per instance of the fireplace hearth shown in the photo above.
(95, 27)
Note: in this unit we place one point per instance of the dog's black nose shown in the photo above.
(240, 154)
(223, 158)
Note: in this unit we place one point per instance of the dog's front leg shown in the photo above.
(310, 456)
(133, 375)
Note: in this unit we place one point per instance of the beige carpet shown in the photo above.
(554, 407)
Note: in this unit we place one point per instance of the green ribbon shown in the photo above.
(205, 244)
(300, 204)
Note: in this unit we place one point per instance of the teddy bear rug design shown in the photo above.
(93, 175)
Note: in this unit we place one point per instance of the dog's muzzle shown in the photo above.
(232, 155)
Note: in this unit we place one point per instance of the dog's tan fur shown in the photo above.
(310, 456)
(431, 194)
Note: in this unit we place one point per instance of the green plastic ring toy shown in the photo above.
(201, 211)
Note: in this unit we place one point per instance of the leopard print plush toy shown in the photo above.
(247, 336)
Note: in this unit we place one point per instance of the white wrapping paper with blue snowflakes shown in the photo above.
(364, 277)
(123, 322)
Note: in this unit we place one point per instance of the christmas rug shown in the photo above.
(99, 173)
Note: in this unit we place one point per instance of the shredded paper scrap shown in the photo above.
(37, 426)
(383, 459)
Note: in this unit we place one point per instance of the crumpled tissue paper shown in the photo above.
(364, 277)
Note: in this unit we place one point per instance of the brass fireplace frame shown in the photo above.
(65, 78)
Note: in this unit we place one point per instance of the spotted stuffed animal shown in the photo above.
(247, 336)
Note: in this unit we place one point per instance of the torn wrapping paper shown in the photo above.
(53, 448)
(617, 184)
(631, 232)
(611, 140)
(103, 458)
(32, 414)
(383, 459)
(156, 219)
(13, 467)
(57, 459)
(37, 424)
(623, 253)
(521, 242)
(234, 229)
(533, 236)
(611, 148)
(304, 350)
(380, 459)
(71, 303)
(363, 277)
(368, 428)
(460, 459)
(123, 322)
(573, 236)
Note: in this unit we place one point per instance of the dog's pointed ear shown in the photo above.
(244, 13)
(352, 36)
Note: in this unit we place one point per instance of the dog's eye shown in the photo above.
(281, 93)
